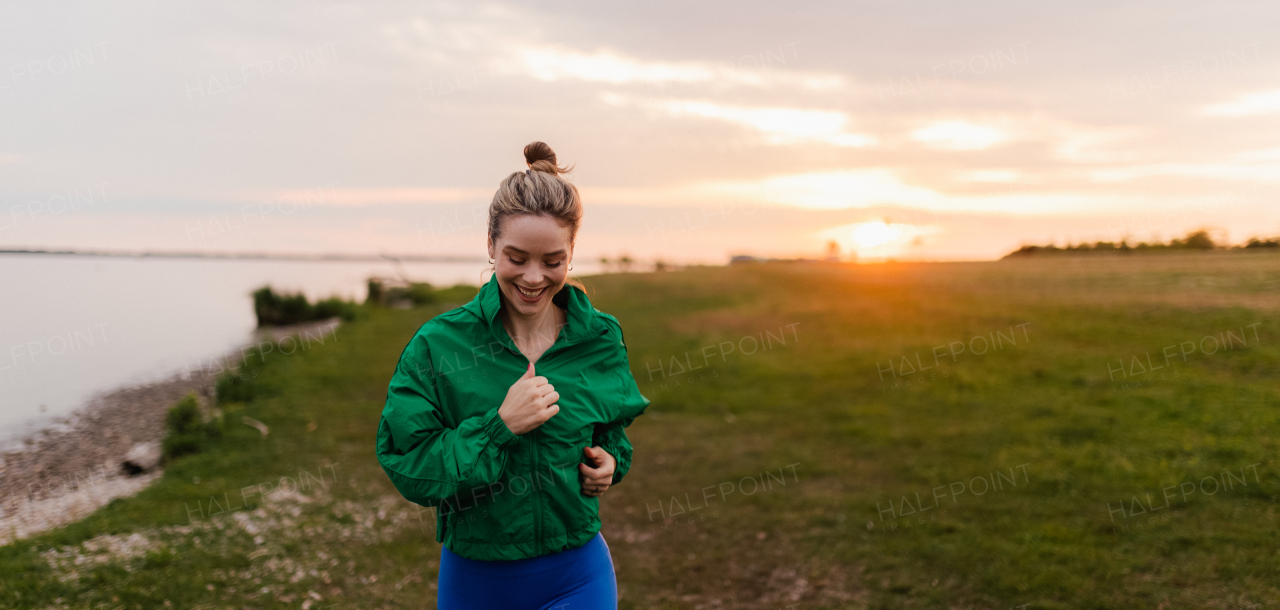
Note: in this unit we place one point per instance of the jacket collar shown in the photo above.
(583, 321)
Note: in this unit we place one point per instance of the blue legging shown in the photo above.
(574, 579)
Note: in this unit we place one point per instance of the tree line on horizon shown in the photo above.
(1198, 240)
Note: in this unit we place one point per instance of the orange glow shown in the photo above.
(878, 239)
(872, 234)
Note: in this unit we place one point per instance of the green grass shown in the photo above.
(1045, 410)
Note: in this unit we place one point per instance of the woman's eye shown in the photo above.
(552, 265)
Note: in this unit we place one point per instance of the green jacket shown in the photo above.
(499, 496)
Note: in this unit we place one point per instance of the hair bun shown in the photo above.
(540, 157)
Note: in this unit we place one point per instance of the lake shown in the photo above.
(78, 325)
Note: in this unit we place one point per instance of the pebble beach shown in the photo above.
(62, 474)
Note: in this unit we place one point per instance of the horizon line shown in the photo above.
(321, 257)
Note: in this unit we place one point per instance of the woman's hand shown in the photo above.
(598, 479)
(530, 402)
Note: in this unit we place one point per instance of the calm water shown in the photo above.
(75, 326)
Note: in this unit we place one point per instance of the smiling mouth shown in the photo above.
(534, 294)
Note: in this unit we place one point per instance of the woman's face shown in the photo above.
(532, 260)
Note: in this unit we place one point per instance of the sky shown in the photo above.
(901, 130)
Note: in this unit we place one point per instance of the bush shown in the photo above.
(1198, 240)
(461, 293)
(416, 294)
(375, 292)
(184, 417)
(419, 294)
(187, 432)
(274, 309)
(333, 307)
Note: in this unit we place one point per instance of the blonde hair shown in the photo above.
(539, 191)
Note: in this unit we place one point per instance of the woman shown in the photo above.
(508, 414)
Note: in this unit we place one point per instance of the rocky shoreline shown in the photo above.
(61, 475)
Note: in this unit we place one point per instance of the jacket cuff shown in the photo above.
(621, 462)
(497, 430)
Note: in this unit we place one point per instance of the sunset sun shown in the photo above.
(872, 234)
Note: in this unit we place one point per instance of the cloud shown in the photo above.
(866, 188)
(959, 135)
(331, 196)
(779, 125)
(833, 190)
(556, 63)
(501, 42)
(989, 175)
(1254, 166)
(456, 88)
(1076, 143)
(1266, 154)
(1260, 172)
(1266, 102)
(860, 188)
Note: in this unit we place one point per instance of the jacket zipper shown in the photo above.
(537, 512)
(537, 504)
(537, 433)
(537, 500)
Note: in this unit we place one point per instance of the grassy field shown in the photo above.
(1080, 432)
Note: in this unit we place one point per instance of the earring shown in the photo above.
(491, 261)
(570, 266)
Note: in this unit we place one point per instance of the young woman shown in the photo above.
(508, 415)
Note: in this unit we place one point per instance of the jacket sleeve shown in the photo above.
(426, 459)
(612, 436)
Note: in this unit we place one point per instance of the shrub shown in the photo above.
(375, 292)
(273, 309)
(421, 293)
(1198, 240)
(186, 431)
(333, 307)
(461, 293)
(418, 294)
